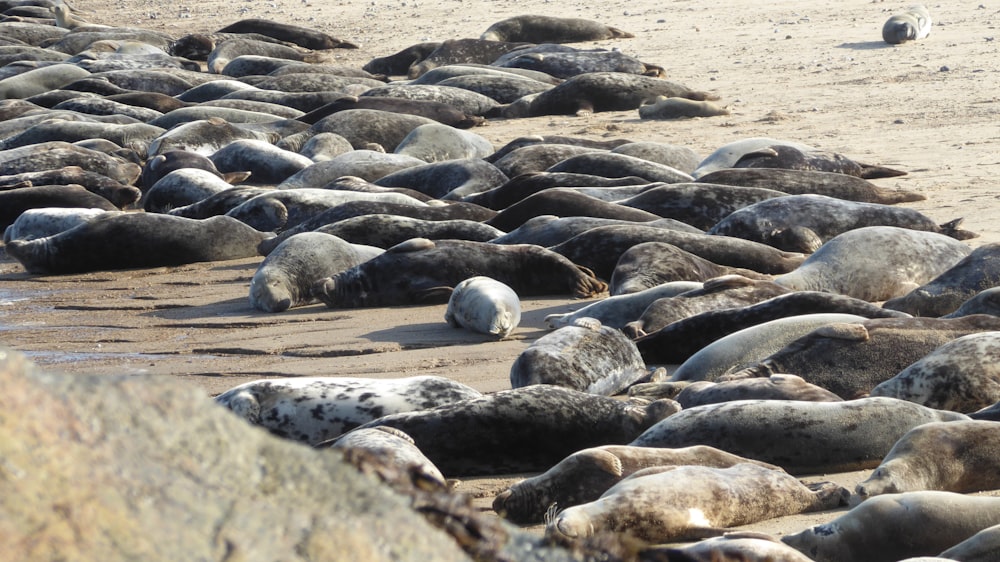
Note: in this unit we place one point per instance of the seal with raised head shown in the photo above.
(801, 437)
(284, 279)
(560, 422)
(851, 359)
(584, 475)
(980, 546)
(962, 375)
(791, 157)
(896, 526)
(876, 263)
(551, 29)
(584, 356)
(976, 272)
(314, 409)
(484, 305)
(422, 271)
(911, 25)
(618, 310)
(690, 502)
(132, 240)
(399, 63)
(395, 448)
(955, 456)
(677, 341)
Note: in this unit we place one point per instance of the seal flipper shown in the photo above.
(870, 172)
(433, 295)
(951, 228)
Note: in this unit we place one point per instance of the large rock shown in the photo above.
(140, 468)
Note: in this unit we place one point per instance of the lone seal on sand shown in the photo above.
(911, 25)
(484, 305)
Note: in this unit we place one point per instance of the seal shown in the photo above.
(133, 240)
(893, 527)
(615, 165)
(775, 387)
(551, 29)
(734, 546)
(680, 108)
(584, 356)
(436, 142)
(976, 272)
(59, 154)
(825, 217)
(385, 231)
(801, 437)
(566, 62)
(121, 195)
(797, 182)
(504, 88)
(561, 421)
(851, 359)
(464, 100)
(368, 165)
(218, 203)
(266, 163)
(536, 157)
(952, 456)
(911, 25)
(600, 248)
(792, 157)
(362, 127)
(40, 80)
(876, 263)
(618, 310)
(13, 202)
(399, 63)
(680, 339)
(676, 156)
(986, 301)
(727, 155)
(565, 202)
(323, 146)
(46, 221)
(745, 348)
(649, 264)
(608, 91)
(394, 448)
(485, 306)
(447, 180)
(691, 502)
(584, 475)
(315, 409)
(204, 136)
(420, 270)
(281, 209)
(977, 547)
(284, 279)
(550, 230)
(462, 51)
(181, 187)
(437, 111)
(961, 376)
(305, 37)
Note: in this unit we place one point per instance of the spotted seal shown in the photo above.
(650, 264)
(484, 305)
(438, 111)
(894, 526)
(434, 268)
(59, 154)
(677, 341)
(302, 36)
(690, 502)
(960, 375)
(700, 204)
(584, 356)
(851, 359)
(131, 240)
(314, 409)
(46, 221)
(813, 437)
(584, 475)
(942, 295)
(396, 447)
(911, 25)
(284, 279)
(876, 263)
(492, 439)
(616, 311)
(550, 29)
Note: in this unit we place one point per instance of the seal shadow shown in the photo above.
(865, 45)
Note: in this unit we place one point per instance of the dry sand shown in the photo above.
(809, 71)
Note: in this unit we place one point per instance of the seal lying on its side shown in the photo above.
(484, 305)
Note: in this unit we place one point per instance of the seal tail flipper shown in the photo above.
(951, 228)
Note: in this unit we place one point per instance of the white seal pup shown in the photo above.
(962, 375)
(954, 456)
(584, 356)
(897, 526)
(690, 502)
(393, 447)
(284, 279)
(315, 409)
(484, 305)
(583, 476)
(911, 25)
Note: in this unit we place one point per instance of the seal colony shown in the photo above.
(244, 150)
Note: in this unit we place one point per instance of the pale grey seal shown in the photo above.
(484, 305)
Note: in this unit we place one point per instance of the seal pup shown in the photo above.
(584, 475)
(955, 456)
(492, 441)
(962, 375)
(315, 409)
(911, 25)
(812, 437)
(876, 263)
(395, 448)
(484, 305)
(895, 526)
(690, 502)
(679, 340)
(584, 356)
(550, 29)
(134, 240)
(841, 186)
(746, 347)
(851, 359)
(942, 295)
(423, 271)
(618, 310)
(650, 264)
(284, 279)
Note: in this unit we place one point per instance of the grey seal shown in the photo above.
(362, 127)
(911, 25)
(46, 221)
(452, 180)
(59, 154)
(702, 205)
(680, 108)
(550, 230)
(438, 111)
(462, 51)
(617, 165)
(13, 202)
(650, 264)
(484, 305)
(775, 387)
(801, 437)
(791, 157)
(281, 209)
(436, 142)
(607, 91)
(394, 447)
(618, 310)
(734, 546)
(466, 101)
(942, 295)
(551, 29)
(302, 36)
(841, 186)
(385, 231)
(182, 187)
(564, 202)
(266, 163)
